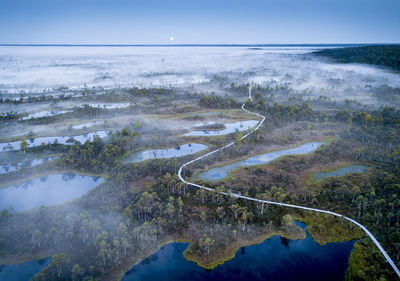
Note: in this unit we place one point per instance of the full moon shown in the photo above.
(171, 38)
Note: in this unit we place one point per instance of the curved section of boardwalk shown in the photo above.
(236, 195)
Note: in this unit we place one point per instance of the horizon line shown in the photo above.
(196, 45)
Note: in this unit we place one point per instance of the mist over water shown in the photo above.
(46, 190)
(33, 69)
(154, 127)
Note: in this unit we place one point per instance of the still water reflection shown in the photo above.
(23, 271)
(276, 258)
(47, 190)
(179, 151)
(340, 172)
(221, 172)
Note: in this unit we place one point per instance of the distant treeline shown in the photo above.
(383, 55)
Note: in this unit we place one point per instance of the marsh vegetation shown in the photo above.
(136, 138)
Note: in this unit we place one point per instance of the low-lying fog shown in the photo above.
(37, 68)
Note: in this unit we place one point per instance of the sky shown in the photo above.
(199, 21)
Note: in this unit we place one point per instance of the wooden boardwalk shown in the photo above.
(236, 195)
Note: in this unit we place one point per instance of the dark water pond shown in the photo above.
(221, 172)
(340, 172)
(47, 190)
(23, 271)
(275, 259)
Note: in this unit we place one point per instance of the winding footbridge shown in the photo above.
(236, 195)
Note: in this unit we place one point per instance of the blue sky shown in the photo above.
(201, 21)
